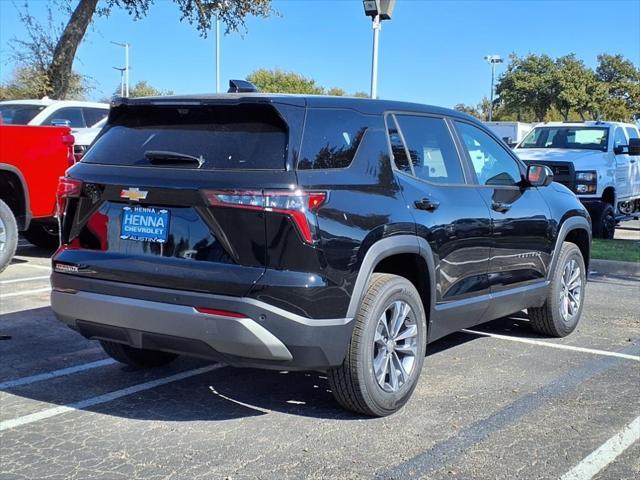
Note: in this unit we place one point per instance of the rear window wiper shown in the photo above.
(159, 157)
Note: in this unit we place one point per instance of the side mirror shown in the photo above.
(634, 146)
(619, 149)
(539, 175)
(59, 122)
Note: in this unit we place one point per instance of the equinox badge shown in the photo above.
(134, 194)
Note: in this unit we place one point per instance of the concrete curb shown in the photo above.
(612, 267)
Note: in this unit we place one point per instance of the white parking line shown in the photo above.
(555, 345)
(25, 292)
(107, 397)
(27, 279)
(55, 373)
(605, 454)
(33, 265)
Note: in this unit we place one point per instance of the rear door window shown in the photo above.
(243, 137)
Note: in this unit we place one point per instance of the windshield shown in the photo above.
(237, 138)
(579, 138)
(19, 113)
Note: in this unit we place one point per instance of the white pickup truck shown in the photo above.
(598, 161)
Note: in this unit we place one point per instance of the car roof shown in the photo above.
(585, 124)
(363, 105)
(63, 103)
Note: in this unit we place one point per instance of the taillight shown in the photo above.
(69, 140)
(67, 188)
(219, 313)
(294, 203)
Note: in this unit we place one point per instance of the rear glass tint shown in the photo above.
(331, 138)
(244, 137)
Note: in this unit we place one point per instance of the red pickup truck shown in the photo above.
(31, 161)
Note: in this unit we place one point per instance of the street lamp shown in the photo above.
(378, 10)
(492, 59)
(121, 70)
(126, 66)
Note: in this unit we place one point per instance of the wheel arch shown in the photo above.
(576, 230)
(14, 192)
(405, 255)
(609, 196)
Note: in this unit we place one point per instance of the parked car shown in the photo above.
(598, 161)
(68, 113)
(32, 159)
(84, 137)
(308, 232)
(511, 133)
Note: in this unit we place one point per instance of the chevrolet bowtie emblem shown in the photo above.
(134, 194)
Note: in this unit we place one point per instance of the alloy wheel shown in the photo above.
(571, 291)
(3, 235)
(395, 346)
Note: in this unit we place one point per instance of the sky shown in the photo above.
(430, 51)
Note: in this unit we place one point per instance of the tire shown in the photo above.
(603, 219)
(136, 357)
(550, 319)
(354, 383)
(8, 235)
(42, 235)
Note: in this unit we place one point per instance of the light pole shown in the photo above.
(378, 10)
(217, 54)
(492, 59)
(126, 66)
(121, 70)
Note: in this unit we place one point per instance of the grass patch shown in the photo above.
(621, 250)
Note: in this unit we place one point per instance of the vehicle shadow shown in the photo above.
(216, 395)
(26, 249)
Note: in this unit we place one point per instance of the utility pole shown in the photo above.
(492, 59)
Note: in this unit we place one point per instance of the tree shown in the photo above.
(573, 84)
(528, 86)
(143, 89)
(280, 81)
(196, 12)
(33, 55)
(480, 111)
(621, 79)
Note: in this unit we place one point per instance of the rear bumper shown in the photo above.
(163, 319)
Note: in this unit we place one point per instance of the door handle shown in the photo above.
(501, 207)
(426, 204)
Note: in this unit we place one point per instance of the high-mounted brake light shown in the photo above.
(294, 203)
(67, 188)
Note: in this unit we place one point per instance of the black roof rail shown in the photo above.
(241, 86)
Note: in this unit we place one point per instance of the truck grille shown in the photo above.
(563, 172)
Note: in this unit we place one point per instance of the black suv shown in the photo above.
(309, 232)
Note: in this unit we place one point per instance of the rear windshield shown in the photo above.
(580, 138)
(19, 113)
(251, 137)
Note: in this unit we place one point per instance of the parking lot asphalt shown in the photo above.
(494, 402)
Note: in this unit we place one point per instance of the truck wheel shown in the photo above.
(44, 235)
(559, 315)
(8, 235)
(386, 353)
(603, 219)
(136, 357)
